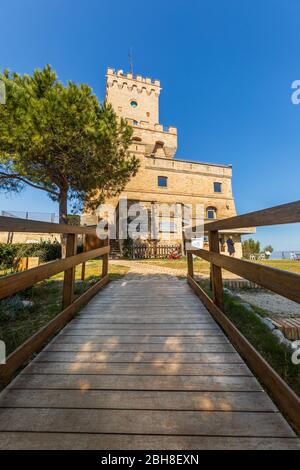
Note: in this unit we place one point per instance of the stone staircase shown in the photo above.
(115, 251)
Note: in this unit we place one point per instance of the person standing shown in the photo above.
(230, 246)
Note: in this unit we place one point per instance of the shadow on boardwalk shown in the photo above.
(144, 366)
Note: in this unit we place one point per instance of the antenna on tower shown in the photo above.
(130, 61)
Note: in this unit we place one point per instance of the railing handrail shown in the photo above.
(282, 282)
(13, 283)
(277, 215)
(14, 224)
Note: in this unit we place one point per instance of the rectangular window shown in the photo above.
(217, 187)
(162, 181)
(169, 227)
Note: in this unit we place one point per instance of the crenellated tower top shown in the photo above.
(136, 99)
(119, 76)
(133, 97)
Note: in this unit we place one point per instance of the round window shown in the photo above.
(133, 104)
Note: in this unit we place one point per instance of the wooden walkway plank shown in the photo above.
(135, 369)
(136, 400)
(135, 348)
(86, 441)
(141, 339)
(154, 358)
(197, 423)
(143, 366)
(208, 330)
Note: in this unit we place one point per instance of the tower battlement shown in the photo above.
(153, 127)
(136, 99)
(128, 79)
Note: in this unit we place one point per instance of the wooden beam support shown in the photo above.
(190, 263)
(13, 283)
(13, 224)
(278, 215)
(37, 341)
(83, 264)
(283, 395)
(216, 271)
(279, 281)
(69, 275)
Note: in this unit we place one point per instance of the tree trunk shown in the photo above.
(63, 218)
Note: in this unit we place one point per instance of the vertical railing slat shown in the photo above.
(105, 260)
(69, 274)
(190, 263)
(216, 271)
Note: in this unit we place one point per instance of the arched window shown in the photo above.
(211, 213)
(158, 150)
(137, 139)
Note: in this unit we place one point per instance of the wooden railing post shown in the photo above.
(83, 264)
(190, 263)
(216, 271)
(69, 275)
(105, 264)
(91, 243)
(105, 258)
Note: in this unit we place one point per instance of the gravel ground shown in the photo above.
(274, 303)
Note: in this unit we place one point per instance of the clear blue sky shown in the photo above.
(226, 68)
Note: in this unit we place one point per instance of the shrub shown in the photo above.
(45, 250)
(11, 308)
(7, 255)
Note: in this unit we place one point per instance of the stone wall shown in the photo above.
(122, 89)
(187, 183)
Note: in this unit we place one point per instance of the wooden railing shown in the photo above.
(281, 282)
(9, 285)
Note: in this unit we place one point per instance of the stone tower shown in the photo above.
(162, 179)
(136, 99)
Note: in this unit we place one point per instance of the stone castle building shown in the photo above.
(161, 177)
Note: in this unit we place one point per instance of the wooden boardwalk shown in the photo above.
(144, 366)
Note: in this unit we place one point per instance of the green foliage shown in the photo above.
(11, 308)
(18, 322)
(60, 139)
(268, 248)
(7, 255)
(45, 250)
(73, 219)
(278, 355)
(250, 247)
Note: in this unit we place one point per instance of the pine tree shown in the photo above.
(60, 139)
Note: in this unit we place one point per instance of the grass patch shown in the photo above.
(285, 264)
(19, 322)
(277, 355)
(202, 268)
